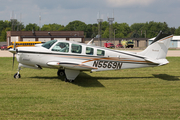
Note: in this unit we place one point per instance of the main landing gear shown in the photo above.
(61, 73)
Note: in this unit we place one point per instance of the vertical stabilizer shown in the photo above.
(158, 48)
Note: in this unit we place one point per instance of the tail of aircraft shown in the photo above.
(158, 49)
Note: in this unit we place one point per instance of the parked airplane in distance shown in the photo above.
(70, 58)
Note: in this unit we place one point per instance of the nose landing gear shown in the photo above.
(17, 75)
(70, 75)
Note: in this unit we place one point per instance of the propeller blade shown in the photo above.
(14, 49)
(13, 60)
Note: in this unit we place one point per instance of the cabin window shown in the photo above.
(61, 47)
(49, 44)
(89, 51)
(76, 48)
(100, 52)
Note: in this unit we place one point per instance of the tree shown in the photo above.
(94, 30)
(122, 30)
(137, 26)
(88, 32)
(153, 28)
(15, 25)
(148, 29)
(136, 30)
(177, 31)
(106, 33)
(76, 26)
(3, 34)
(31, 27)
(46, 28)
(172, 30)
(52, 27)
(4, 26)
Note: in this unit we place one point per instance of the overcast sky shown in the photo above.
(65, 11)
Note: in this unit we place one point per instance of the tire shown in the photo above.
(17, 76)
(60, 73)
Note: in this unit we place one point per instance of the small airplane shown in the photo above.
(70, 58)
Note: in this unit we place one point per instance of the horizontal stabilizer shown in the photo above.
(160, 62)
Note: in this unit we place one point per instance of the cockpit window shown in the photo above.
(49, 44)
(61, 47)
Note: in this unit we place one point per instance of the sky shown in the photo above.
(88, 11)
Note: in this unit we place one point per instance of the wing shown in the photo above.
(70, 65)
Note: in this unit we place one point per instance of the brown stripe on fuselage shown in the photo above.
(103, 58)
(117, 59)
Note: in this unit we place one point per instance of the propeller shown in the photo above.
(14, 54)
(13, 50)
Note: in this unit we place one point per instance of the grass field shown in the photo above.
(146, 93)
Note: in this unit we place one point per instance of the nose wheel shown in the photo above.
(17, 76)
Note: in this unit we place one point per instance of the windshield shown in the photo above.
(49, 44)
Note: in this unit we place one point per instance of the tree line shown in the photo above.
(120, 30)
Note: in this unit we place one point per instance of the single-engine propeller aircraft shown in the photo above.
(71, 57)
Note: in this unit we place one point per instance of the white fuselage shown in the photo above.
(111, 60)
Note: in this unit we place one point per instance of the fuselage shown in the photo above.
(79, 56)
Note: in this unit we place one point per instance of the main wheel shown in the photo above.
(60, 73)
(16, 76)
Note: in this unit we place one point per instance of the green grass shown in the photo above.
(146, 93)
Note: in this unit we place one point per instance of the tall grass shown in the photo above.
(146, 93)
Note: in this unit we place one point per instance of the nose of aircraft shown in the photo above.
(14, 51)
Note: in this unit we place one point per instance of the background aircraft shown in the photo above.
(70, 58)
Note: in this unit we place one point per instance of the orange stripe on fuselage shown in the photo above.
(104, 58)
